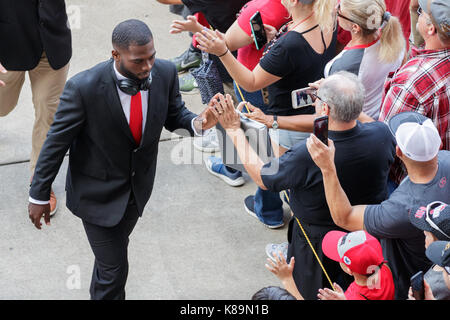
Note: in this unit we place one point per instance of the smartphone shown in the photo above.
(417, 286)
(302, 97)
(321, 129)
(259, 34)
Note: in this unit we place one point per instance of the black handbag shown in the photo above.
(208, 79)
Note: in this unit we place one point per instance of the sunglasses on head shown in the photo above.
(340, 15)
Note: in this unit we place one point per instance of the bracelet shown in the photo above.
(223, 54)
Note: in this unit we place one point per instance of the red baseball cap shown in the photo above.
(358, 250)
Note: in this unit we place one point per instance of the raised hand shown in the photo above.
(255, 113)
(190, 24)
(328, 294)
(322, 155)
(211, 41)
(223, 109)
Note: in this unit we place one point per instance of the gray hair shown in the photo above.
(345, 95)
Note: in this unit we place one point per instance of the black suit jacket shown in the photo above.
(29, 27)
(105, 164)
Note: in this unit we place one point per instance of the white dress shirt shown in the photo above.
(125, 101)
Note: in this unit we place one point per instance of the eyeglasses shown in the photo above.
(432, 206)
(315, 97)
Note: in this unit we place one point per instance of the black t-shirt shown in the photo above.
(403, 244)
(296, 62)
(220, 14)
(363, 157)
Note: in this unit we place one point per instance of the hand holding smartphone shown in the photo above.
(321, 129)
(302, 97)
(257, 27)
(417, 286)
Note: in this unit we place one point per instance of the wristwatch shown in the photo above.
(275, 123)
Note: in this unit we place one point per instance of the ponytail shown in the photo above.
(392, 42)
(371, 16)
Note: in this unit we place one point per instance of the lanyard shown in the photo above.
(312, 248)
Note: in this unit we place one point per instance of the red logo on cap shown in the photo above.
(420, 212)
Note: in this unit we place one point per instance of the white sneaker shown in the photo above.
(208, 143)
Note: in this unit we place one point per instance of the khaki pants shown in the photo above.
(47, 85)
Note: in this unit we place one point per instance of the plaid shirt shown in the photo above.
(421, 85)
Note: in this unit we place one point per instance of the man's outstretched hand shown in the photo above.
(36, 211)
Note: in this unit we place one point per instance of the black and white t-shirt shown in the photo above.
(364, 62)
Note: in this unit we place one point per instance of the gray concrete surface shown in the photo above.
(194, 241)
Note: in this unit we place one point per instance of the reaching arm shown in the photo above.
(230, 121)
(69, 119)
(236, 38)
(283, 271)
(303, 122)
(343, 213)
(214, 42)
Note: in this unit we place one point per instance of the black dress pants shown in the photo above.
(110, 247)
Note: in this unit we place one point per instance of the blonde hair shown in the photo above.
(324, 14)
(370, 16)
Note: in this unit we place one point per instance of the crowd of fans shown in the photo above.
(370, 209)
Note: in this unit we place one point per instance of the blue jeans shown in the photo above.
(268, 205)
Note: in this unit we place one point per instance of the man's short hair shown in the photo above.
(345, 95)
(131, 32)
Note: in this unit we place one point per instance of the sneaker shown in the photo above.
(187, 82)
(249, 204)
(53, 203)
(273, 248)
(216, 167)
(207, 143)
(187, 60)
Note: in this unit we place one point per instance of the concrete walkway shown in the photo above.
(194, 241)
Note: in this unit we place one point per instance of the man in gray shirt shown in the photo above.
(428, 169)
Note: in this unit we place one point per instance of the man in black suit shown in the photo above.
(111, 118)
(34, 38)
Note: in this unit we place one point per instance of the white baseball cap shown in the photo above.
(416, 136)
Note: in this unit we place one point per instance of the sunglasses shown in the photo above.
(419, 10)
(339, 14)
(315, 97)
(430, 208)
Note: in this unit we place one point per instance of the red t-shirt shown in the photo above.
(386, 289)
(272, 13)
